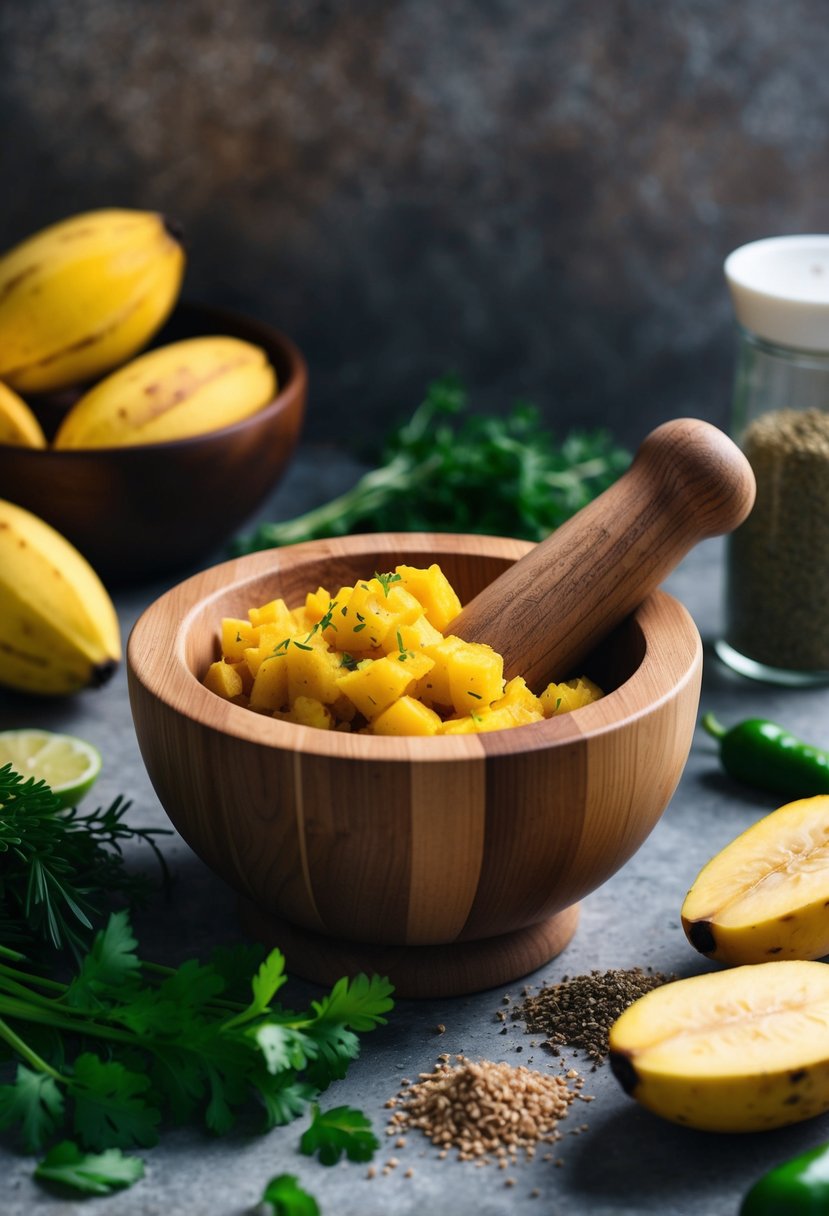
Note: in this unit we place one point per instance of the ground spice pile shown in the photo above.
(580, 1010)
(486, 1110)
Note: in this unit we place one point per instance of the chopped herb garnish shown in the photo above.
(238, 636)
(348, 661)
(302, 646)
(281, 648)
(404, 653)
(558, 702)
(325, 621)
(385, 580)
(357, 628)
(470, 693)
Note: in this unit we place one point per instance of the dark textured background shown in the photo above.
(539, 196)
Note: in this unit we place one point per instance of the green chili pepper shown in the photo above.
(764, 754)
(800, 1187)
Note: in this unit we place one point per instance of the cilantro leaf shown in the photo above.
(265, 984)
(336, 1047)
(358, 1003)
(111, 964)
(92, 1173)
(283, 1196)
(110, 1111)
(284, 1097)
(339, 1130)
(35, 1102)
(284, 1047)
(268, 980)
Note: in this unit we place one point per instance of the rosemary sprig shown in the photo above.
(57, 868)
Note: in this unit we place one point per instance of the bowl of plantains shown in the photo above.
(137, 510)
(451, 862)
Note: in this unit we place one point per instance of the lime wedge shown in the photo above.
(68, 765)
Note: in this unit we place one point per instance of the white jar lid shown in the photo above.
(780, 289)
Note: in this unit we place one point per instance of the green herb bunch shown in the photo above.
(58, 867)
(127, 1045)
(448, 470)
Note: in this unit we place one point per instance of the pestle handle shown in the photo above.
(688, 481)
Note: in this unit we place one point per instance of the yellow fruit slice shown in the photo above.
(18, 425)
(766, 895)
(69, 766)
(734, 1051)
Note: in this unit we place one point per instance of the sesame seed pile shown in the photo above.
(485, 1110)
(580, 1010)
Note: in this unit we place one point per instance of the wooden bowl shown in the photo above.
(452, 863)
(145, 510)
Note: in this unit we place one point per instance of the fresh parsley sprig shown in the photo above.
(127, 1044)
(341, 1130)
(449, 470)
(283, 1196)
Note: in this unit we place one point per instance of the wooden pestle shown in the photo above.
(688, 481)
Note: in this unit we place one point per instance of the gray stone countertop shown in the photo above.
(627, 1160)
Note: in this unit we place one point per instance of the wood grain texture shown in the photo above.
(146, 509)
(432, 843)
(424, 972)
(687, 482)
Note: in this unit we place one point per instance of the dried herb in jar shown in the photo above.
(778, 560)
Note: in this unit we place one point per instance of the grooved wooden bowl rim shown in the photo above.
(664, 671)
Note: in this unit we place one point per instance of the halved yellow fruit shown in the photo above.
(765, 896)
(733, 1051)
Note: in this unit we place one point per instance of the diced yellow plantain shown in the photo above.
(516, 693)
(312, 672)
(244, 675)
(237, 636)
(363, 622)
(480, 721)
(435, 688)
(414, 636)
(307, 711)
(270, 685)
(407, 716)
(275, 612)
(317, 604)
(224, 681)
(573, 694)
(434, 591)
(476, 676)
(373, 687)
(765, 895)
(732, 1051)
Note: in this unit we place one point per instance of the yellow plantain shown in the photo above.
(58, 628)
(733, 1051)
(18, 425)
(84, 295)
(765, 895)
(183, 389)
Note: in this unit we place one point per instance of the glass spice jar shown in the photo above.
(777, 562)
